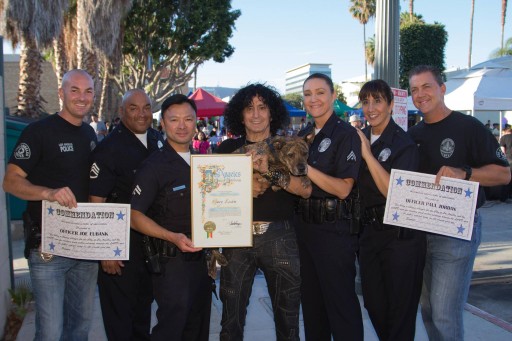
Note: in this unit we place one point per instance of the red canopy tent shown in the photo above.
(207, 104)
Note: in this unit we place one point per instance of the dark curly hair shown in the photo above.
(233, 115)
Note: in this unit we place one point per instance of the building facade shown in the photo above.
(295, 77)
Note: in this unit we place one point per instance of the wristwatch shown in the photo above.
(468, 170)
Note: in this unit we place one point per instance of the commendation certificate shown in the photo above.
(416, 202)
(221, 200)
(91, 231)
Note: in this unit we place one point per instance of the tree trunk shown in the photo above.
(104, 93)
(364, 50)
(411, 9)
(471, 32)
(61, 61)
(503, 15)
(87, 60)
(29, 98)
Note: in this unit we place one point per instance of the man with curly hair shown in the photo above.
(255, 114)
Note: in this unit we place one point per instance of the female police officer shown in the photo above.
(391, 258)
(326, 246)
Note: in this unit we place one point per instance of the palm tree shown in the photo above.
(32, 33)
(503, 15)
(505, 51)
(363, 11)
(370, 51)
(100, 29)
(407, 19)
(471, 32)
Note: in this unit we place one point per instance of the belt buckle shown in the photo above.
(259, 228)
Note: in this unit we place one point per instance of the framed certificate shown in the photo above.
(221, 200)
(90, 231)
(415, 201)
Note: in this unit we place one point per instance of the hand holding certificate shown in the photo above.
(90, 231)
(415, 201)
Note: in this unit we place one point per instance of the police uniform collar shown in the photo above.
(330, 125)
(387, 134)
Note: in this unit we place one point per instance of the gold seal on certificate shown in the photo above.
(209, 227)
(221, 200)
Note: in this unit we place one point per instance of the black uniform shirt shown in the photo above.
(455, 141)
(115, 161)
(271, 205)
(335, 151)
(393, 149)
(55, 153)
(162, 190)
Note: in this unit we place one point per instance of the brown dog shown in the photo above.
(288, 155)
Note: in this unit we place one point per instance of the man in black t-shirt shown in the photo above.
(453, 145)
(125, 286)
(51, 162)
(255, 113)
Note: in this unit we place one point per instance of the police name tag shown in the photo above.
(95, 231)
(415, 201)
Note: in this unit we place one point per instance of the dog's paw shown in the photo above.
(305, 181)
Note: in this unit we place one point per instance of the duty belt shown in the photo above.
(258, 228)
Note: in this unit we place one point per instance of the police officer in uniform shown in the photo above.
(161, 209)
(125, 286)
(327, 247)
(391, 258)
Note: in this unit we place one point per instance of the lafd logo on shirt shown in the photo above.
(66, 147)
(22, 152)
(447, 148)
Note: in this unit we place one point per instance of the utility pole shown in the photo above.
(387, 41)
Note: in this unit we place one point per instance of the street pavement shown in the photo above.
(488, 314)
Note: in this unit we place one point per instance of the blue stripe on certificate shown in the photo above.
(179, 188)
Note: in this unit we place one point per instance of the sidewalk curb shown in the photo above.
(488, 317)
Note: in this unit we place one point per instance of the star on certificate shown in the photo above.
(117, 251)
(395, 216)
(120, 215)
(468, 193)
(50, 210)
(460, 229)
(52, 246)
(399, 181)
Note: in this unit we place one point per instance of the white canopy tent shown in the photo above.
(486, 87)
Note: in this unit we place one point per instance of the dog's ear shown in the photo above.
(278, 142)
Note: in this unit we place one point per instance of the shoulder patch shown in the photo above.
(352, 156)
(137, 190)
(500, 154)
(22, 152)
(95, 171)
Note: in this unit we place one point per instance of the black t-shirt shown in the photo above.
(270, 206)
(455, 141)
(162, 190)
(335, 151)
(506, 141)
(116, 160)
(393, 149)
(55, 153)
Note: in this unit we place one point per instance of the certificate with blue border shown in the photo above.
(221, 200)
(95, 231)
(415, 201)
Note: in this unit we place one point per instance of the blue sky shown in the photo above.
(273, 36)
